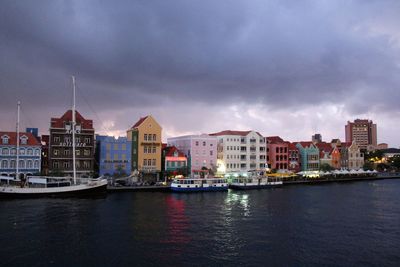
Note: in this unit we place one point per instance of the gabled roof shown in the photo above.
(170, 150)
(230, 132)
(140, 121)
(31, 141)
(59, 122)
(305, 143)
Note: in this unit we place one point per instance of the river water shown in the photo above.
(340, 224)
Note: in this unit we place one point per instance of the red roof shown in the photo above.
(31, 141)
(274, 140)
(170, 150)
(59, 122)
(230, 132)
(140, 121)
(292, 146)
(324, 148)
(305, 143)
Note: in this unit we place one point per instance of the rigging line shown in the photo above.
(107, 130)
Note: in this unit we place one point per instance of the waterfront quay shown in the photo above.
(295, 180)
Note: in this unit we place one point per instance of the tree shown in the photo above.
(395, 162)
(368, 166)
(325, 167)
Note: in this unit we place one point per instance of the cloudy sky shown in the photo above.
(282, 67)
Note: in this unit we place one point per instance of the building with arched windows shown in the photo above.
(29, 153)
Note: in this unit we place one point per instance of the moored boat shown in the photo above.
(199, 184)
(51, 187)
(254, 180)
(22, 186)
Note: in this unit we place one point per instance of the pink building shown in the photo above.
(277, 153)
(200, 150)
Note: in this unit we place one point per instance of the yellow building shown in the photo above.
(145, 136)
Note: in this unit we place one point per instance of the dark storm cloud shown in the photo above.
(272, 52)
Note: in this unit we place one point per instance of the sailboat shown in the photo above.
(42, 186)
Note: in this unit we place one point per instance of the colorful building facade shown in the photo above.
(113, 155)
(294, 163)
(200, 150)
(29, 153)
(145, 137)
(277, 153)
(174, 162)
(309, 156)
(60, 146)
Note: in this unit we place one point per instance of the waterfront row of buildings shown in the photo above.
(141, 152)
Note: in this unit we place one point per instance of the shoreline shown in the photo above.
(164, 188)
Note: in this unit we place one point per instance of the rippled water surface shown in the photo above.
(348, 224)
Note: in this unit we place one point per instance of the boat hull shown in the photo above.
(199, 189)
(57, 192)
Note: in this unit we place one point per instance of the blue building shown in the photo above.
(29, 153)
(113, 155)
(309, 156)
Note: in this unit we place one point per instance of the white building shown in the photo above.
(240, 151)
(200, 150)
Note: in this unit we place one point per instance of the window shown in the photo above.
(24, 140)
(197, 143)
(13, 151)
(123, 146)
(29, 164)
(56, 152)
(4, 151)
(154, 149)
(36, 164)
(108, 146)
(145, 149)
(4, 139)
(21, 164)
(134, 138)
(37, 152)
(86, 152)
(204, 143)
(211, 153)
(154, 137)
(66, 152)
(67, 139)
(145, 137)
(22, 151)
(78, 152)
(66, 165)
(87, 140)
(145, 162)
(12, 164)
(154, 162)
(86, 164)
(55, 165)
(134, 151)
(115, 156)
(4, 164)
(29, 151)
(56, 139)
(115, 146)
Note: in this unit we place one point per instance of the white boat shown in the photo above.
(41, 186)
(254, 180)
(199, 184)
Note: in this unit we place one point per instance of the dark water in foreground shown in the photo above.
(337, 224)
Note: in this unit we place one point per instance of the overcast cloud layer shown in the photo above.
(289, 68)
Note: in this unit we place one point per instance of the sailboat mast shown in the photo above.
(17, 163)
(73, 131)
